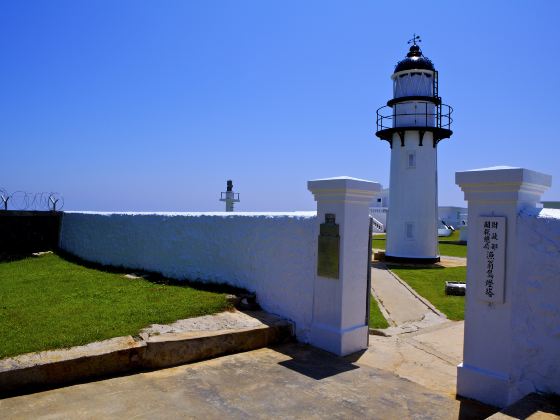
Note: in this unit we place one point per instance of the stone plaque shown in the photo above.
(491, 256)
(329, 248)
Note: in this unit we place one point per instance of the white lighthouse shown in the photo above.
(229, 196)
(413, 123)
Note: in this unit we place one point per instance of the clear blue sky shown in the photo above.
(137, 105)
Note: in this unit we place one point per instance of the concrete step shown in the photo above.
(49, 369)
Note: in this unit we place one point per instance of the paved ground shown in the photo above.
(410, 374)
(447, 261)
(428, 357)
(422, 344)
(402, 307)
(288, 381)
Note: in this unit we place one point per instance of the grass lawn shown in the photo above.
(449, 246)
(48, 302)
(376, 319)
(430, 283)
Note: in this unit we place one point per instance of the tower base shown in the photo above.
(409, 260)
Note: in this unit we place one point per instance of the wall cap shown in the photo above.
(217, 214)
(343, 184)
(505, 175)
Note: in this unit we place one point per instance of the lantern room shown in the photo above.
(416, 103)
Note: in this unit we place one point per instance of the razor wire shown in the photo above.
(21, 200)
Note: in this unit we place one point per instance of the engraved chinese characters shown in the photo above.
(491, 265)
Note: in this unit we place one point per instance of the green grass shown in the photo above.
(379, 241)
(48, 302)
(430, 284)
(449, 246)
(376, 318)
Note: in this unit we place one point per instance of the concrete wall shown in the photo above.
(28, 231)
(272, 254)
(512, 310)
(536, 319)
(339, 304)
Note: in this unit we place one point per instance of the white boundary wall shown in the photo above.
(512, 338)
(271, 254)
(536, 320)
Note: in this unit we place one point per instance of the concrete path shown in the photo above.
(428, 357)
(448, 261)
(287, 381)
(400, 305)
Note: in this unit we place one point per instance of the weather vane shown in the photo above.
(415, 39)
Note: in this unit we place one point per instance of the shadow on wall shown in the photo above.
(24, 232)
(154, 277)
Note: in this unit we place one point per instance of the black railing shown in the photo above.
(438, 116)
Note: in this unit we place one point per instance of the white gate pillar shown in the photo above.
(339, 304)
(495, 196)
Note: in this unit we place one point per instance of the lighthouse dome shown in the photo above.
(415, 61)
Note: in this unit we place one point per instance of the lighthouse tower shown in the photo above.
(413, 123)
(229, 196)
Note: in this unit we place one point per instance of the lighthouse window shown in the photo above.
(409, 230)
(411, 161)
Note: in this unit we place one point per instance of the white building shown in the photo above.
(413, 123)
(379, 209)
(452, 216)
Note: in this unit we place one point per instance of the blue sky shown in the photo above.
(137, 105)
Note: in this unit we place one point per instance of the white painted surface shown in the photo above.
(536, 317)
(230, 199)
(501, 350)
(464, 233)
(381, 199)
(339, 306)
(272, 254)
(377, 224)
(452, 215)
(444, 232)
(413, 198)
(378, 210)
(412, 221)
(414, 114)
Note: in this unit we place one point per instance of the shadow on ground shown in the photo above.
(316, 364)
